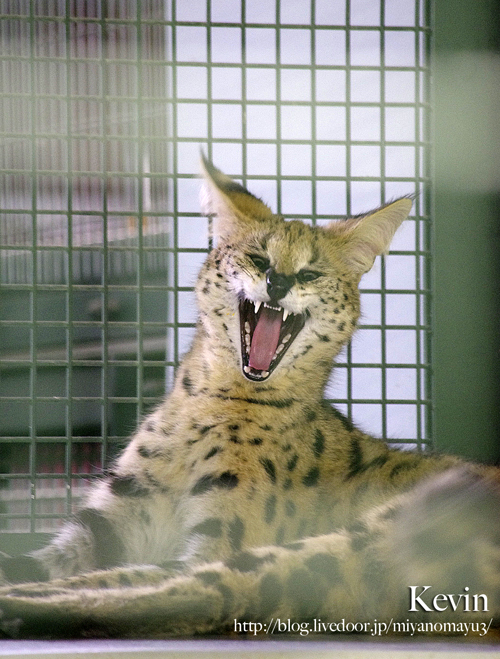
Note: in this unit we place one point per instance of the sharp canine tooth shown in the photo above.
(246, 369)
(285, 314)
(257, 306)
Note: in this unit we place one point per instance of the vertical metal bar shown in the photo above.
(348, 146)
(175, 191)
(141, 219)
(106, 379)
(244, 152)
(418, 250)
(34, 309)
(210, 113)
(428, 244)
(69, 316)
(312, 63)
(279, 107)
(383, 324)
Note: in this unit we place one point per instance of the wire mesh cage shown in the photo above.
(321, 108)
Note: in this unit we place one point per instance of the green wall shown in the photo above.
(466, 338)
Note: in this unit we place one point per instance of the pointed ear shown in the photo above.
(367, 236)
(231, 204)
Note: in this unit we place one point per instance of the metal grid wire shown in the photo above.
(319, 107)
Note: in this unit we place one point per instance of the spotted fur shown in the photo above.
(245, 496)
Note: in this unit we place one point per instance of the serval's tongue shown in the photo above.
(265, 338)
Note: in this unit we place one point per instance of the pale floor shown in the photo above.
(247, 649)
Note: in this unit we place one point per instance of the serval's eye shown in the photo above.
(305, 276)
(260, 262)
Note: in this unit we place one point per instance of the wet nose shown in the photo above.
(278, 284)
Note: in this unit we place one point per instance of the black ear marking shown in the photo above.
(223, 182)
